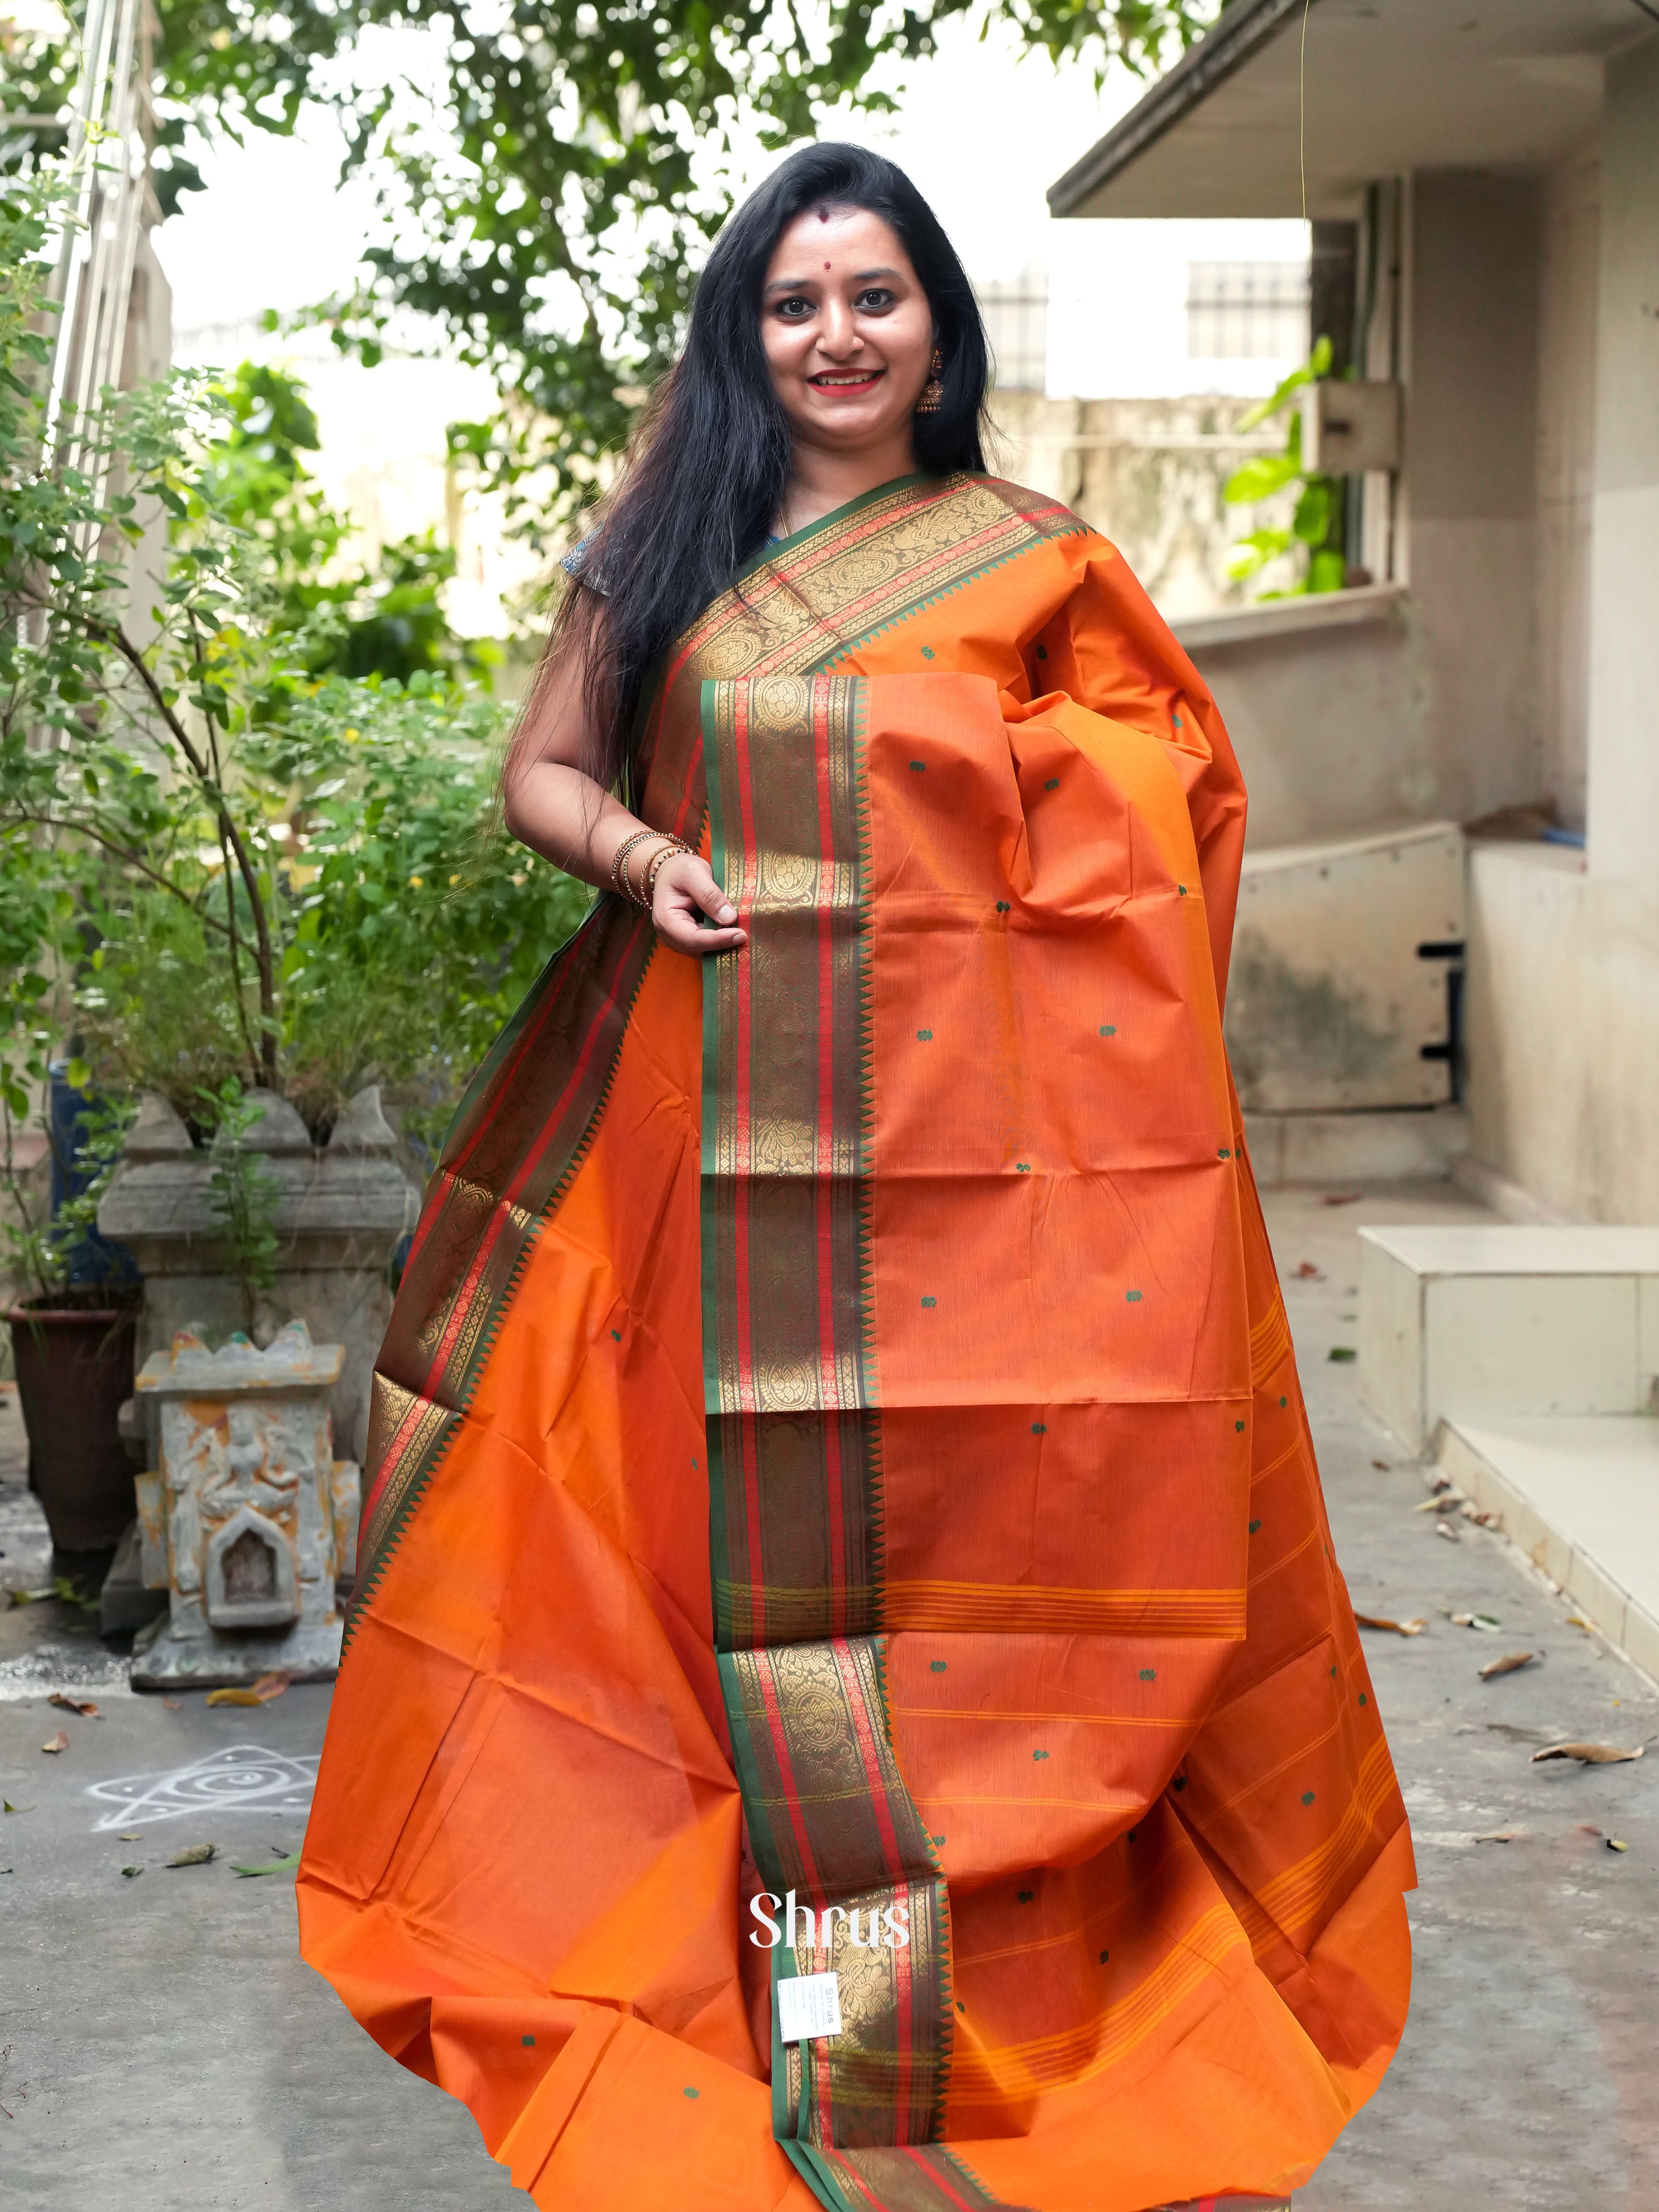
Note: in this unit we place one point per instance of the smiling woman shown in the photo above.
(849, 341)
(836, 346)
(838, 1464)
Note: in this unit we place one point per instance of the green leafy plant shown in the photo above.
(46, 1255)
(346, 615)
(225, 857)
(244, 1195)
(1317, 522)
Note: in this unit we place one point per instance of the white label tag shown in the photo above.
(809, 2006)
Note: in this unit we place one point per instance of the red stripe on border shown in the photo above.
(904, 1978)
(823, 1195)
(748, 1432)
(931, 2166)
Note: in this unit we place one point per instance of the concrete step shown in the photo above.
(1490, 1322)
(1579, 1494)
(1410, 1145)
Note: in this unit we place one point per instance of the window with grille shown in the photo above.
(1016, 311)
(1247, 310)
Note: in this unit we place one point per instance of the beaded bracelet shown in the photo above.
(653, 868)
(619, 859)
(668, 846)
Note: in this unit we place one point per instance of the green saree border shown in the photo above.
(792, 1425)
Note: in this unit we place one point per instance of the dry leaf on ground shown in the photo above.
(1441, 1502)
(84, 1706)
(259, 1693)
(1382, 1465)
(130, 1836)
(1399, 1627)
(1310, 1274)
(130, 1871)
(1446, 1528)
(1507, 1664)
(58, 1742)
(1341, 1197)
(1488, 1623)
(174, 1704)
(193, 1855)
(1501, 1836)
(1591, 1754)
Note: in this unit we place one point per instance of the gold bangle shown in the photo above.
(653, 868)
(619, 861)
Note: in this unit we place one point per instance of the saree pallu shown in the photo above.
(838, 1441)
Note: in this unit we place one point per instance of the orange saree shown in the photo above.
(838, 1444)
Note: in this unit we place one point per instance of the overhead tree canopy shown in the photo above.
(536, 161)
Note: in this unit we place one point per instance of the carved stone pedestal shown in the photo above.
(339, 1215)
(249, 1518)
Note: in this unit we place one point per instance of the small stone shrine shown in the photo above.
(249, 1520)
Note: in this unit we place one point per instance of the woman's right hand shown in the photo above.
(685, 892)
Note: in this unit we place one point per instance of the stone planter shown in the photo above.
(249, 1518)
(341, 1213)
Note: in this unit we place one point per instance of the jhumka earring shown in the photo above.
(932, 391)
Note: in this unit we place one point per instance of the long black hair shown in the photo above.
(710, 464)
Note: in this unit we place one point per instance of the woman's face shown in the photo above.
(848, 330)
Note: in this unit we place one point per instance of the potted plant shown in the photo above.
(72, 1318)
(250, 846)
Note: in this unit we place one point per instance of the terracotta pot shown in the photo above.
(74, 1368)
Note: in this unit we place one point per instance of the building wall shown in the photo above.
(1435, 714)
(1566, 474)
(1328, 729)
(1562, 1031)
(1563, 974)
(1149, 474)
(1470, 535)
(1623, 699)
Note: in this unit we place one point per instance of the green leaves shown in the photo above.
(1317, 518)
(1260, 477)
(544, 174)
(245, 1194)
(1317, 364)
(261, 846)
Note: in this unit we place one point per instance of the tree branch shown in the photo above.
(111, 634)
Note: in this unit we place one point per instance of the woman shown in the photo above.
(840, 1500)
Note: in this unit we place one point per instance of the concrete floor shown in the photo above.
(162, 2050)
